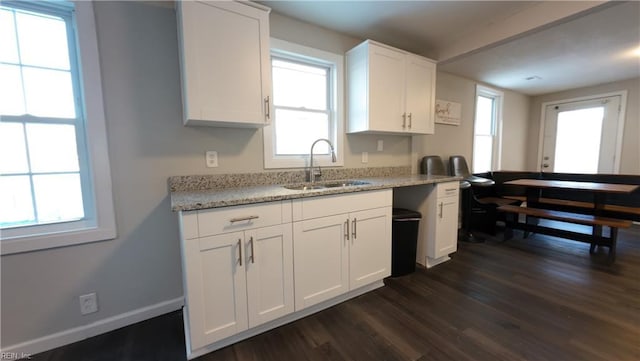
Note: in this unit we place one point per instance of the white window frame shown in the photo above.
(335, 62)
(102, 225)
(496, 151)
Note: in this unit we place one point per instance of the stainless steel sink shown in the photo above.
(345, 183)
(304, 187)
(331, 184)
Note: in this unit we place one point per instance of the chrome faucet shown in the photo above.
(313, 173)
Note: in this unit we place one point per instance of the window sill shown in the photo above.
(29, 243)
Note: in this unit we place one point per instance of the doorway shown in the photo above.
(582, 136)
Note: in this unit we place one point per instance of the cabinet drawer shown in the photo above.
(449, 189)
(323, 206)
(236, 218)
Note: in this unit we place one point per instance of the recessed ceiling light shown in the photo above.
(535, 77)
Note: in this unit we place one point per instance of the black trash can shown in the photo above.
(404, 239)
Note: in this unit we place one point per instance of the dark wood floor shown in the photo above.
(540, 298)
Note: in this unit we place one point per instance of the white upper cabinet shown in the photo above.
(225, 63)
(389, 90)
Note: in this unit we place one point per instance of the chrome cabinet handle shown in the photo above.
(240, 251)
(346, 228)
(267, 111)
(355, 231)
(441, 206)
(404, 120)
(241, 219)
(253, 251)
(409, 120)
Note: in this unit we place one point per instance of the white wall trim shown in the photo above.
(108, 324)
(621, 120)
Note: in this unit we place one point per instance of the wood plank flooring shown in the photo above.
(539, 298)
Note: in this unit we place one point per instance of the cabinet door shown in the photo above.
(321, 259)
(225, 62)
(420, 96)
(269, 273)
(386, 89)
(215, 288)
(446, 237)
(370, 246)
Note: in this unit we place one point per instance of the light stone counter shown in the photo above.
(184, 200)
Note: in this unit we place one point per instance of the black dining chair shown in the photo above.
(478, 212)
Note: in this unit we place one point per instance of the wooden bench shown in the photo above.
(597, 222)
(578, 204)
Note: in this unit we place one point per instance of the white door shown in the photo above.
(370, 246)
(386, 89)
(446, 240)
(582, 137)
(321, 259)
(421, 76)
(269, 273)
(226, 56)
(216, 292)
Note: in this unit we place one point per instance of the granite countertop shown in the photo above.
(185, 200)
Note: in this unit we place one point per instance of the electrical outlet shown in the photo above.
(211, 158)
(365, 157)
(88, 303)
(380, 145)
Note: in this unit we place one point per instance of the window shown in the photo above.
(307, 104)
(487, 130)
(52, 193)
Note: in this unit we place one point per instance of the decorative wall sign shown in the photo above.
(448, 112)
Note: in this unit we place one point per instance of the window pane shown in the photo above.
(43, 40)
(484, 116)
(11, 96)
(297, 130)
(578, 141)
(299, 86)
(482, 153)
(58, 197)
(16, 206)
(52, 147)
(13, 152)
(49, 93)
(8, 46)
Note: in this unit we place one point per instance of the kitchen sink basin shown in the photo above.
(346, 183)
(331, 184)
(304, 187)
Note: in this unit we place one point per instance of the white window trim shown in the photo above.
(336, 63)
(498, 96)
(103, 227)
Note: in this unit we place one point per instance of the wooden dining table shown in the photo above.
(599, 192)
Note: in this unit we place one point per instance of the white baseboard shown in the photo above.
(76, 334)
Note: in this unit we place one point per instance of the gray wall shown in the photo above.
(630, 157)
(458, 140)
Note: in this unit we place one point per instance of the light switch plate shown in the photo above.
(365, 157)
(380, 145)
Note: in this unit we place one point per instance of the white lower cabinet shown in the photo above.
(337, 253)
(251, 268)
(237, 280)
(321, 256)
(216, 288)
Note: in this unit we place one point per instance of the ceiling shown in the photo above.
(561, 45)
